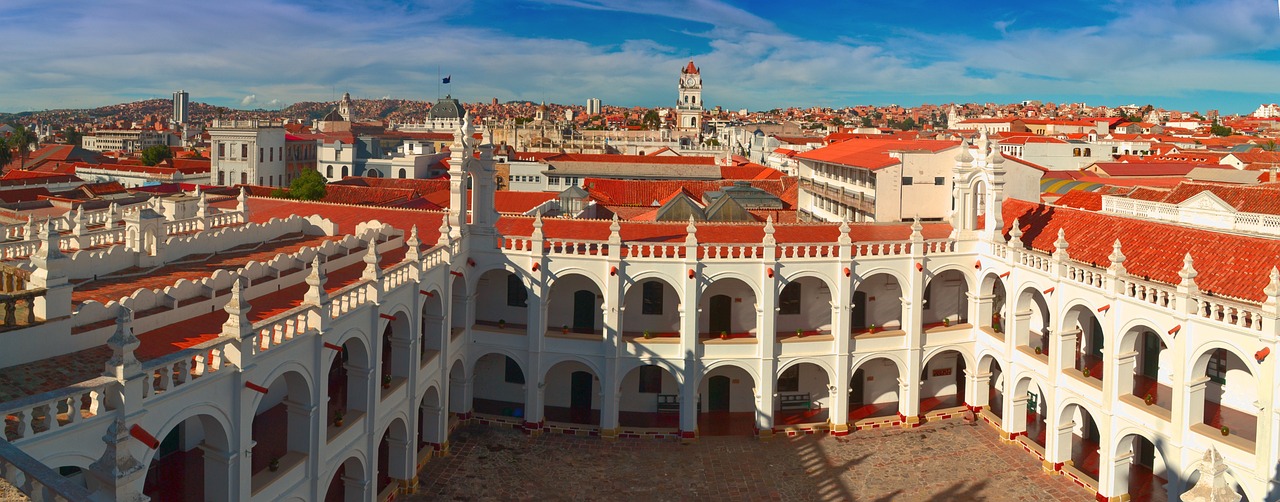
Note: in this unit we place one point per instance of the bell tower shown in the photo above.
(689, 106)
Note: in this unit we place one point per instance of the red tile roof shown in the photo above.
(1263, 199)
(629, 159)
(1228, 264)
(872, 153)
(1081, 199)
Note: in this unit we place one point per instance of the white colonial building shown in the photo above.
(306, 351)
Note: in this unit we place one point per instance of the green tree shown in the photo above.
(651, 119)
(6, 153)
(908, 124)
(72, 136)
(310, 185)
(22, 140)
(1219, 130)
(156, 154)
(1269, 146)
(866, 121)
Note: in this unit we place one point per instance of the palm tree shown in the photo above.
(6, 153)
(1269, 146)
(23, 139)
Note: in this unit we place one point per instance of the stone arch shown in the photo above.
(503, 304)
(660, 315)
(730, 404)
(750, 282)
(432, 331)
(212, 428)
(649, 404)
(996, 385)
(495, 387)
(359, 352)
(432, 418)
(943, 382)
(875, 390)
(459, 399)
(574, 303)
(1146, 367)
(395, 460)
(991, 313)
(272, 410)
(1092, 338)
(876, 300)
(1085, 438)
(632, 280)
(709, 367)
(946, 300)
(1027, 403)
(572, 391)
(563, 273)
(353, 467)
(811, 310)
(1150, 463)
(803, 394)
(725, 306)
(1031, 314)
(1211, 402)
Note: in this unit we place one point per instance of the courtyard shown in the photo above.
(940, 461)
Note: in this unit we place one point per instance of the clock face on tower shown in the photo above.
(690, 81)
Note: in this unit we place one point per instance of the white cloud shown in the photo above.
(301, 54)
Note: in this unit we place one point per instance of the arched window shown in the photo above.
(1088, 152)
(244, 178)
(328, 172)
(344, 171)
(1075, 152)
(402, 173)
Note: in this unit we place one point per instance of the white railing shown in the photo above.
(598, 248)
(1268, 224)
(939, 246)
(19, 249)
(348, 299)
(1085, 275)
(182, 226)
(1228, 311)
(821, 251)
(883, 248)
(643, 250)
(177, 369)
(103, 238)
(276, 330)
(434, 257)
(397, 275)
(731, 251)
(50, 411)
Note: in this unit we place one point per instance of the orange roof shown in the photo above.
(1152, 249)
(872, 153)
(629, 159)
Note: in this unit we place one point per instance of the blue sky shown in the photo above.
(1192, 55)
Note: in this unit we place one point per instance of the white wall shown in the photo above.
(635, 321)
(743, 317)
(741, 389)
(561, 305)
(815, 308)
(491, 300)
(559, 389)
(633, 400)
(881, 381)
(490, 382)
(884, 299)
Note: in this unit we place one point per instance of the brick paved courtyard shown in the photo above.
(942, 461)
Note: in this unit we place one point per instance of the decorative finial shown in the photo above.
(1188, 272)
(1273, 285)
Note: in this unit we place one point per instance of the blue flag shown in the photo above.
(446, 79)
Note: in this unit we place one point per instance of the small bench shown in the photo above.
(795, 402)
(668, 403)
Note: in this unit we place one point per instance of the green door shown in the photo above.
(718, 393)
(584, 311)
(721, 313)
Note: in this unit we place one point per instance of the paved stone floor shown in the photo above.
(942, 461)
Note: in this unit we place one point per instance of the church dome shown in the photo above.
(445, 108)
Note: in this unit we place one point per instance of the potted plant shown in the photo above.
(647, 334)
(564, 328)
(946, 322)
(873, 327)
(724, 335)
(386, 381)
(502, 324)
(1149, 399)
(799, 333)
(1226, 431)
(337, 418)
(274, 465)
(1086, 372)
(1039, 351)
